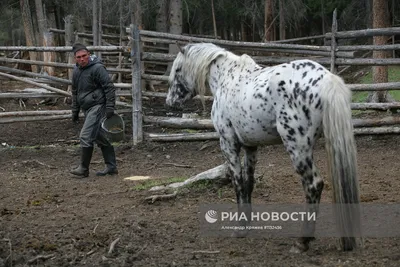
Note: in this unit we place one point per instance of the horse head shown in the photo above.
(181, 85)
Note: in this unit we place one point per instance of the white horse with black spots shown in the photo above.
(293, 102)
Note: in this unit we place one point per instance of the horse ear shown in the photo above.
(181, 49)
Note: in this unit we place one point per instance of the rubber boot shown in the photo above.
(83, 168)
(109, 160)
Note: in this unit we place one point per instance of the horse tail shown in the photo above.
(342, 157)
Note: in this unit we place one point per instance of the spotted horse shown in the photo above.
(293, 103)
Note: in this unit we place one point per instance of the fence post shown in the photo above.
(333, 42)
(70, 39)
(137, 120)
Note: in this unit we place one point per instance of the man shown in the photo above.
(94, 94)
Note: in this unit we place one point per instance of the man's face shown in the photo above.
(82, 58)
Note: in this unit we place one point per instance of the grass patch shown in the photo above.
(393, 76)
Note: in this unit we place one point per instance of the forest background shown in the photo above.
(22, 22)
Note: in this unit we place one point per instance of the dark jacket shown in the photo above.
(91, 86)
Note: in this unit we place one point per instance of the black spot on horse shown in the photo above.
(309, 162)
(318, 105)
(290, 138)
(296, 90)
(306, 112)
(301, 130)
(320, 185)
(310, 64)
(304, 74)
(282, 83)
(311, 97)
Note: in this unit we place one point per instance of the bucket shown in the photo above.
(114, 128)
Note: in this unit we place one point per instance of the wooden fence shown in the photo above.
(334, 57)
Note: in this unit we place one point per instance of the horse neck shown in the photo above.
(224, 70)
(219, 71)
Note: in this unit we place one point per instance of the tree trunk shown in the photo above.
(380, 11)
(95, 23)
(282, 20)
(243, 31)
(213, 17)
(162, 16)
(41, 21)
(52, 23)
(121, 37)
(70, 39)
(100, 29)
(175, 26)
(323, 16)
(48, 40)
(136, 15)
(29, 30)
(268, 21)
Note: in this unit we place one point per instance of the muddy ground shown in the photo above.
(48, 218)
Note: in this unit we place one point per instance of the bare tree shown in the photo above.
(29, 30)
(213, 17)
(95, 22)
(162, 16)
(380, 13)
(41, 21)
(175, 25)
(269, 21)
(136, 13)
(282, 20)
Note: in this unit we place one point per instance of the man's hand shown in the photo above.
(75, 117)
(109, 112)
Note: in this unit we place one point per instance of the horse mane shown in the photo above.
(195, 62)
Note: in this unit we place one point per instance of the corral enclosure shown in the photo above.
(48, 218)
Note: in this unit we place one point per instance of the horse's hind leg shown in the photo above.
(312, 186)
(300, 148)
(243, 184)
(250, 159)
(231, 150)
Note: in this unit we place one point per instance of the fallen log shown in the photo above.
(37, 75)
(357, 123)
(207, 123)
(179, 122)
(182, 137)
(219, 172)
(375, 87)
(377, 130)
(34, 113)
(29, 95)
(59, 91)
(33, 118)
(376, 106)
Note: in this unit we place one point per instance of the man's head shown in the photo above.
(81, 54)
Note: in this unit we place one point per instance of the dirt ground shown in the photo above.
(49, 218)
